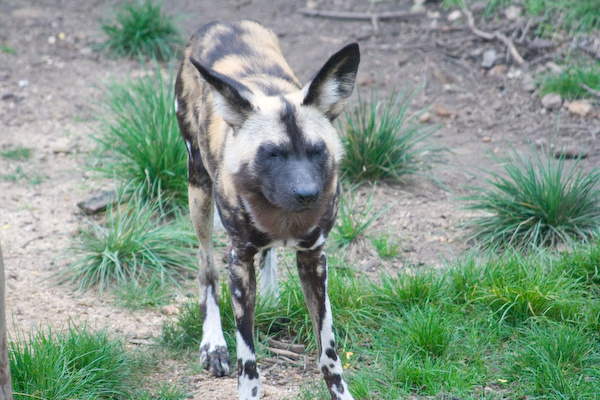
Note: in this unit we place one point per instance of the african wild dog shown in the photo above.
(265, 148)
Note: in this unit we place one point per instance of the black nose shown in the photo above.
(307, 194)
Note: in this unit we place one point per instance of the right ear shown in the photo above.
(231, 98)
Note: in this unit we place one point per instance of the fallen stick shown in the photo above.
(590, 90)
(373, 17)
(494, 35)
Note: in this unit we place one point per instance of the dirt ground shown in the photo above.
(50, 90)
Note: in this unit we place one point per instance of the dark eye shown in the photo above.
(317, 150)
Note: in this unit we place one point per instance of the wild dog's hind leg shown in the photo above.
(312, 268)
(268, 274)
(213, 349)
(242, 280)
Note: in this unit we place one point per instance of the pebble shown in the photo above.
(425, 117)
(580, 108)
(512, 13)
(498, 70)
(454, 15)
(170, 310)
(23, 83)
(443, 111)
(554, 67)
(552, 101)
(61, 146)
(528, 83)
(489, 59)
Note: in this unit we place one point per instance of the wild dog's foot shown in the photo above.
(249, 382)
(216, 360)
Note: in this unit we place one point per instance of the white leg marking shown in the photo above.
(249, 382)
(212, 333)
(268, 275)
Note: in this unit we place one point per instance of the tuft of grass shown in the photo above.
(386, 248)
(76, 364)
(574, 16)
(164, 392)
(141, 138)
(537, 203)
(142, 29)
(353, 222)
(137, 243)
(428, 330)
(136, 296)
(569, 83)
(555, 360)
(381, 141)
(18, 153)
(18, 174)
(8, 49)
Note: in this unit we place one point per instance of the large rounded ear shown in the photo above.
(231, 98)
(334, 82)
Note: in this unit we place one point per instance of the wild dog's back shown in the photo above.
(248, 56)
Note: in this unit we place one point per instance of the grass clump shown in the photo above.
(537, 203)
(76, 364)
(381, 141)
(569, 82)
(136, 296)
(142, 29)
(353, 220)
(141, 138)
(18, 153)
(137, 243)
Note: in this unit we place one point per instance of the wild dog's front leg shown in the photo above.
(312, 268)
(213, 349)
(242, 279)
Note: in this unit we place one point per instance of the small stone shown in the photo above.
(61, 146)
(454, 15)
(403, 58)
(580, 108)
(443, 111)
(23, 83)
(98, 202)
(552, 101)
(170, 310)
(512, 13)
(489, 59)
(486, 139)
(51, 39)
(570, 152)
(498, 70)
(425, 117)
(85, 51)
(528, 83)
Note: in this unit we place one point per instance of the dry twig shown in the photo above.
(493, 35)
(373, 17)
(588, 89)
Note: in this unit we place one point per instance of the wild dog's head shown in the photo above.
(284, 150)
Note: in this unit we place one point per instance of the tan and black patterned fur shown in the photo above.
(263, 147)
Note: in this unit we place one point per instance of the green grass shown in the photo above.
(353, 220)
(137, 243)
(145, 295)
(8, 49)
(382, 141)
(568, 83)
(385, 246)
(140, 141)
(17, 153)
(78, 363)
(525, 326)
(537, 202)
(142, 29)
(18, 174)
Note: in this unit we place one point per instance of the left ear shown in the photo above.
(334, 83)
